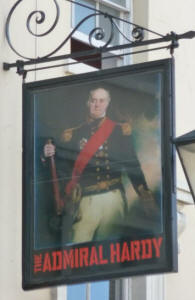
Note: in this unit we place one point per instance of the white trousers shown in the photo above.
(99, 216)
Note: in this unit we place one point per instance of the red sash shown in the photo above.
(88, 151)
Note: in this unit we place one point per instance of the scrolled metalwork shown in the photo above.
(41, 18)
(138, 33)
(98, 33)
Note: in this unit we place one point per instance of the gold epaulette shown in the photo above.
(68, 133)
(126, 128)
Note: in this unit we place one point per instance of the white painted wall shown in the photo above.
(181, 285)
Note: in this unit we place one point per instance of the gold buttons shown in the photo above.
(107, 168)
(97, 169)
(101, 153)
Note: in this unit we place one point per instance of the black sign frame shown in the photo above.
(46, 262)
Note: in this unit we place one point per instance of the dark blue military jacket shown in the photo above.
(113, 158)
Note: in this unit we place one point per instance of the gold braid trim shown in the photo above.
(126, 128)
(68, 133)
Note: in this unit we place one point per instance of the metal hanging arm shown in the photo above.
(96, 34)
(173, 38)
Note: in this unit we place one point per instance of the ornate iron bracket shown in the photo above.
(98, 34)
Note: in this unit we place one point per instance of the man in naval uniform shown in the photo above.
(92, 160)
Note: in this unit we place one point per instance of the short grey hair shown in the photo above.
(99, 88)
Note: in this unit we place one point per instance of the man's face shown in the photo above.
(98, 103)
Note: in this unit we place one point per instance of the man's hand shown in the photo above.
(148, 201)
(49, 149)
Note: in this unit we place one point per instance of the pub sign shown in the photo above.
(98, 176)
